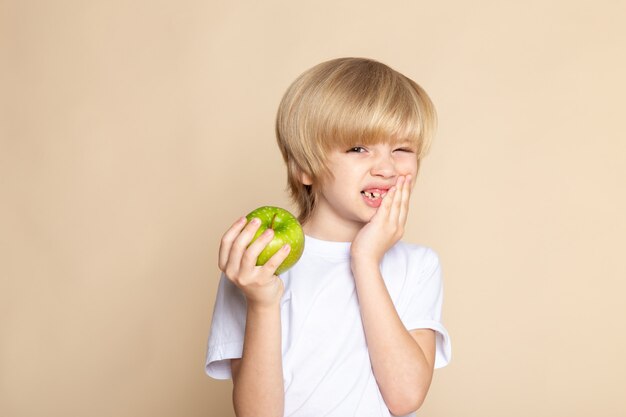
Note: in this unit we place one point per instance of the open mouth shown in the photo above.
(372, 194)
(373, 197)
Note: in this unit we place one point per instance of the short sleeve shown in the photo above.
(423, 300)
(227, 330)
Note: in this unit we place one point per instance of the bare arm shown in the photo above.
(402, 361)
(257, 377)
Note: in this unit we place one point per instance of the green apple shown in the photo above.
(287, 230)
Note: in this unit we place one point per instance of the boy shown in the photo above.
(354, 328)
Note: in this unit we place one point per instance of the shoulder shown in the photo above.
(417, 262)
(412, 271)
(414, 255)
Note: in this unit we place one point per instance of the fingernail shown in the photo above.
(286, 247)
(268, 232)
(256, 221)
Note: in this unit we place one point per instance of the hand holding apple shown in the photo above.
(287, 230)
(251, 254)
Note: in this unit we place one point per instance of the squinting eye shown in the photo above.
(405, 150)
(358, 149)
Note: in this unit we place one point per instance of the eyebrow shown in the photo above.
(405, 143)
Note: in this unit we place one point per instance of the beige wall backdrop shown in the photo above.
(134, 132)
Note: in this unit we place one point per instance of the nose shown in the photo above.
(384, 166)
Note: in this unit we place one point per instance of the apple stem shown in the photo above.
(273, 220)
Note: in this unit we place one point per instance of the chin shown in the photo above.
(367, 217)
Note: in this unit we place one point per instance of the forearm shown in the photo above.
(258, 385)
(401, 367)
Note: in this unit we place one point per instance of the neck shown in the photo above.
(326, 229)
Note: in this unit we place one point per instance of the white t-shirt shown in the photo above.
(326, 365)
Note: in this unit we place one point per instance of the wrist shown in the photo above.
(367, 263)
(366, 255)
(257, 307)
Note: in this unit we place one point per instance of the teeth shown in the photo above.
(371, 196)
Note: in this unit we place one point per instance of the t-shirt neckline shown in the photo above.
(327, 248)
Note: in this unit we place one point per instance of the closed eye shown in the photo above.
(410, 150)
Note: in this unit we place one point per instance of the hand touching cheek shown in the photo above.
(386, 226)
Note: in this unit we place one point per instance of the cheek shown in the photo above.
(408, 166)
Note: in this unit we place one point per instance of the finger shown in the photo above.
(389, 197)
(227, 241)
(254, 250)
(274, 262)
(241, 243)
(385, 205)
(406, 198)
(394, 211)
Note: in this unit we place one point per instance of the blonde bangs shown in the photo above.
(390, 117)
(368, 104)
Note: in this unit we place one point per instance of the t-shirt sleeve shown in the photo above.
(227, 330)
(423, 302)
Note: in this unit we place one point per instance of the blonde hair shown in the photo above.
(342, 103)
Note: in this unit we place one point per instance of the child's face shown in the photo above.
(362, 174)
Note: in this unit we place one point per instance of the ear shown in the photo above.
(296, 172)
(305, 178)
